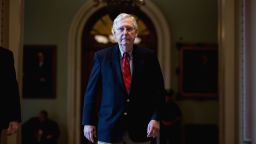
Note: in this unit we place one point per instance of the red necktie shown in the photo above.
(126, 71)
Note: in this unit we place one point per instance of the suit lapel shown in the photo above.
(137, 67)
(117, 67)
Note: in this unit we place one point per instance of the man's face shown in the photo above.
(41, 117)
(125, 33)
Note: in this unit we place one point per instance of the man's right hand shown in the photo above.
(90, 132)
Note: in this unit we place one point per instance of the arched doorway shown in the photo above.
(88, 16)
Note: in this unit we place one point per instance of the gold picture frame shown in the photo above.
(197, 70)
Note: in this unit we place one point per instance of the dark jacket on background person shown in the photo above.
(38, 131)
(10, 109)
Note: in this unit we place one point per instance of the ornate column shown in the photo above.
(4, 16)
(3, 41)
(252, 46)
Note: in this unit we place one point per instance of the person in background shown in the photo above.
(170, 132)
(10, 108)
(132, 90)
(40, 130)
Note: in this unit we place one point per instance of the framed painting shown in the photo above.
(39, 71)
(197, 70)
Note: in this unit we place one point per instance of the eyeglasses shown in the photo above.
(127, 28)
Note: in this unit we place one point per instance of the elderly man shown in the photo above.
(132, 90)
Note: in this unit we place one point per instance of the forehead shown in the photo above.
(125, 22)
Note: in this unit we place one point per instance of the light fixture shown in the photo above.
(121, 2)
(114, 7)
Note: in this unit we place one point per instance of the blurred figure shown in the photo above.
(10, 110)
(170, 132)
(40, 130)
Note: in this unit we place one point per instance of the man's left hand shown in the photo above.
(153, 128)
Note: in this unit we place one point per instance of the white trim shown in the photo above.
(74, 71)
(164, 40)
(228, 76)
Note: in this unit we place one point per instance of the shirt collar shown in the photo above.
(122, 52)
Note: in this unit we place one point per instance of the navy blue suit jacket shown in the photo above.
(117, 110)
(10, 100)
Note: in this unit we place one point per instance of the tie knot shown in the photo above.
(126, 55)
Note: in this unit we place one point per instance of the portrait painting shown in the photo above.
(39, 71)
(198, 70)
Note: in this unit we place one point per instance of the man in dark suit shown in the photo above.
(127, 112)
(40, 130)
(10, 112)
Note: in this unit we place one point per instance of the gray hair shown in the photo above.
(122, 16)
